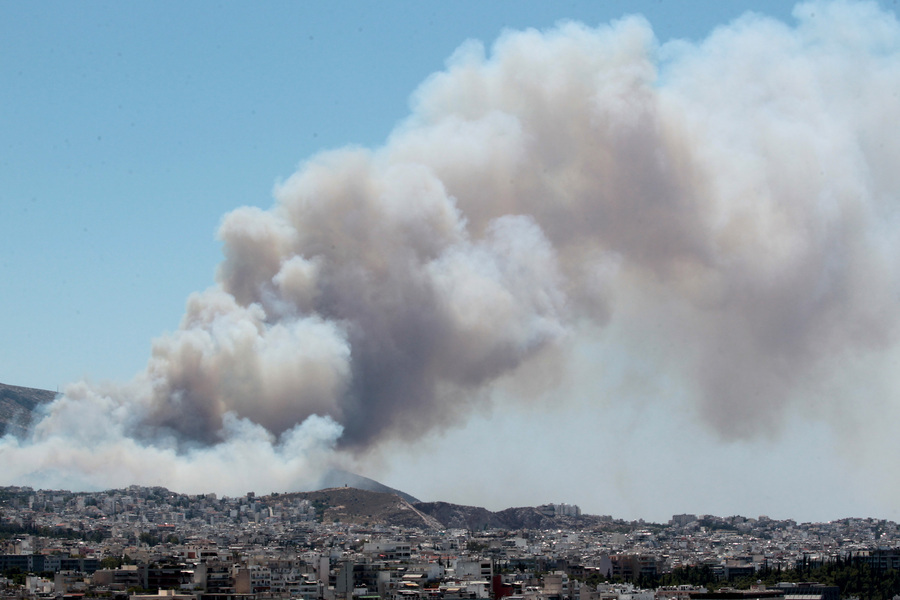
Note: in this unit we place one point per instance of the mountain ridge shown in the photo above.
(337, 478)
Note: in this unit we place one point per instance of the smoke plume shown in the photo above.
(740, 195)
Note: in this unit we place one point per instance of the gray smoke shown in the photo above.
(734, 203)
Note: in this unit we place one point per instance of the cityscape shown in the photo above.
(606, 293)
(345, 543)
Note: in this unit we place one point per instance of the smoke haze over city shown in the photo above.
(588, 256)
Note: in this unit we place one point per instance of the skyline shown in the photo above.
(708, 301)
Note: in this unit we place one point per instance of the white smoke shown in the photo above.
(735, 200)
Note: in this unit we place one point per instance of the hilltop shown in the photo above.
(337, 478)
(350, 505)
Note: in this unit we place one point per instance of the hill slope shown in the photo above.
(336, 478)
(17, 405)
(363, 507)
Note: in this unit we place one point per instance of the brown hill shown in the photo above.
(17, 405)
(338, 478)
(363, 507)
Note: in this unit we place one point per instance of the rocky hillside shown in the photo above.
(455, 516)
(362, 507)
(17, 406)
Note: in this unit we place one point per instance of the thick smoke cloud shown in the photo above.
(735, 199)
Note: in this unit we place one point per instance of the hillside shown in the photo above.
(363, 507)
(350, 505)
(475, 517)
(17, 406)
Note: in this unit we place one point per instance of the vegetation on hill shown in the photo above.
(17, 405)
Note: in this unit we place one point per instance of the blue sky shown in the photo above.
(130, 129)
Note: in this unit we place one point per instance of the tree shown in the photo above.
(111, 562)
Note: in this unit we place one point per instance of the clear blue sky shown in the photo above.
(128, 129)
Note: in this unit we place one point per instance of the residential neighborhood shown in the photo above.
(344, 543)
